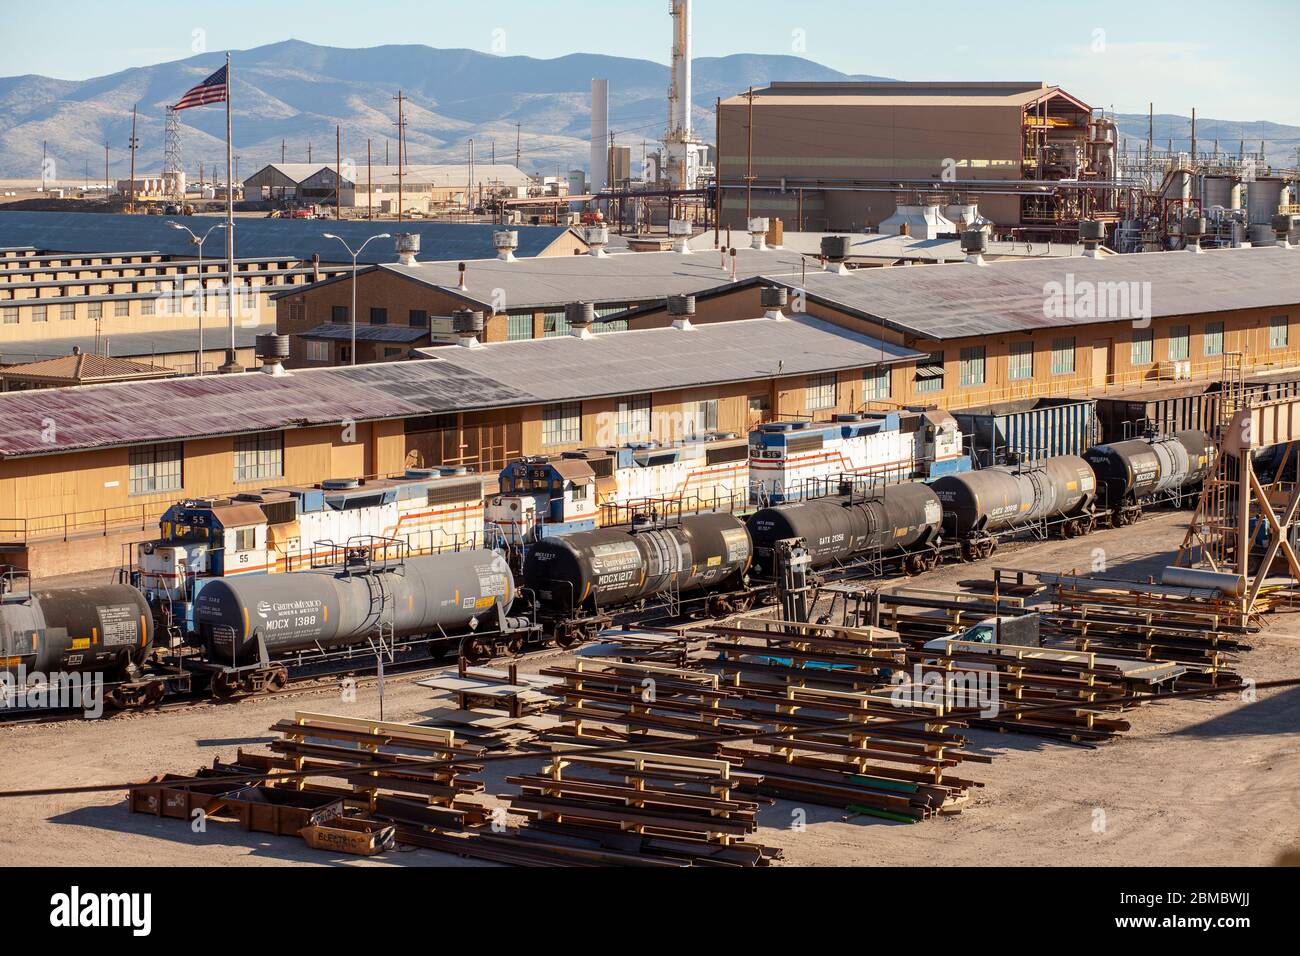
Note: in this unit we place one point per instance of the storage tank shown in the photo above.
(1131, 471)
(105, 628)
(995, 499)
(840, 527)
(300, 610)
(1219, 191)
(613, 566)
(1263, 198)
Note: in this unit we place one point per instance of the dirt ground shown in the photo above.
(1202, 782)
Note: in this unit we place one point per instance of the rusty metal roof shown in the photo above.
(960, 299)
(81, 367)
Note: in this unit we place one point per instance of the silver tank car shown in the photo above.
(1131, 471)
(839, 527)
(107, 628)
(995, 499)
(336, 608)
(612, 566)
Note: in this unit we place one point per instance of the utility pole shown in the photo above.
(135, 143)
(494, 152)
(370, 183)
(309, 152)
(338, 173)
(107, 188)
(401, 138)
(1193, 136)
(283, 146)
(717, 173)
(519, 145)
(749, 162)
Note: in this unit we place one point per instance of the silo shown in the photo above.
(1263, 197)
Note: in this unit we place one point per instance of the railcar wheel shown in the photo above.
(476, 650)
(743, 604)
(277, 680)
(515, 645)
(224, 685)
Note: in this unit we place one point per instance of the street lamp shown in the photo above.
(203, 289)
(354, 255)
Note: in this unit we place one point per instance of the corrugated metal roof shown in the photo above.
(960, 299)
(84, 367)
(894, 93)
(619, 277)
(454, 379)
(136, 344)
(567, 367)
(84, 232)
(338, 332)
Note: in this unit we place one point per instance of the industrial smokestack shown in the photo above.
(677, 139)
(599, 135)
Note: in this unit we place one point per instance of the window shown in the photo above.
(634, 418)
(1063, 356)
(760, 406)
(121, 308)
(519, 327)
(345, 355)
(258, 457)
(96, 310)
(1277, 332)
(315, 350)
(820, 390)
(701, 418)
(147, 307)
(875, 384)
(555, 324)
(38, 313)
(1020, 361)
(392, 352)
(1142, 339)
(156, 468)
(618, 325)
(67, 312)
(1213, 338)
(562, 424)
(972, 365)
(419, 319)
(1180, 342)
(339, 313)
(10, 315)
(378, 316)
(929, 373)
(580, 489)
(245, 539)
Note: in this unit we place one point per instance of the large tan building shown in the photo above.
(838, 156)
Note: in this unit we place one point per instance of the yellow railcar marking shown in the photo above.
(245, 610)
(80, 643)
(144, 632)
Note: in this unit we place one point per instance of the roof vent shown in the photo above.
(1091, 234)
(273, 349)
(975, 242)
(681, 308)
(408, 247)
(1194, 227)
(505, 241)
(468, 326)
(598, 238)
(580, 316)
(460, 277)
(340, 484)
(679, 231)
(835, 249)
(774, 299)
(758, 233)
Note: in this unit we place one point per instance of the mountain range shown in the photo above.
(291, 95)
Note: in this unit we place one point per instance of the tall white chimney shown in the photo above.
(678, 137)
(599, 135)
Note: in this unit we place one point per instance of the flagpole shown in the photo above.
(231, 364)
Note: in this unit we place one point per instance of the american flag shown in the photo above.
(211, 90)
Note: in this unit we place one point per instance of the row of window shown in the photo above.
(155, 469)
(416, 318)
(67, 311)
(1020, 355)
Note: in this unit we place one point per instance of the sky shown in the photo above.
(1230, 61)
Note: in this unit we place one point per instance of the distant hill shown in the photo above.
(299, 92)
